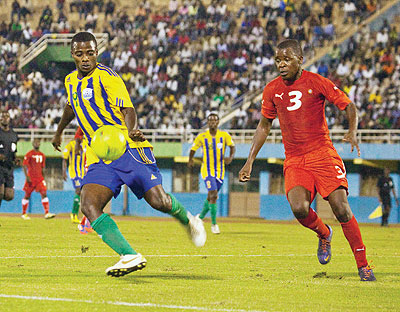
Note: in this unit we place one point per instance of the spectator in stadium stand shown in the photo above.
(205, 36)
(385, 185)
(306, 152)
(15, 10)
(8, 149)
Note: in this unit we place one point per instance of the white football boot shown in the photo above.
(196, 230)
(127, 264)
(215, 229)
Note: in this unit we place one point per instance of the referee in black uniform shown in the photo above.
(385, 186)
(8, 148)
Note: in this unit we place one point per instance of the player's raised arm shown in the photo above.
(66, 118)
(351, 135)
(262, 132)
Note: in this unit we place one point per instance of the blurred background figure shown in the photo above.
(385, 185)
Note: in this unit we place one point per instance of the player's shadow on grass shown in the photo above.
(172, 276)
(347, 275)
(244, 233)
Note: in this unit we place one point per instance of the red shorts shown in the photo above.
(319, 171)
(38, 186)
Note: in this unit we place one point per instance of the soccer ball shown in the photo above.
(108, 143)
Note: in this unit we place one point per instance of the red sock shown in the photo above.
(83, 221)
(46, 206)
(353, 235)
(25, 204)
(313, 222)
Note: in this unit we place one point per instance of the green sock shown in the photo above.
(111, 235)
(178, 211)
(206, 207)
(213, 210)
(76, 204)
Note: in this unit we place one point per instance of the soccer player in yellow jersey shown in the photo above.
(97, 96)
(74, 155)
(213, 142)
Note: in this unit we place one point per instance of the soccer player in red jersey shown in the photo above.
(34, 164)
(297, 97)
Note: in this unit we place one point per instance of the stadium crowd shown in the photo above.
(181, 61)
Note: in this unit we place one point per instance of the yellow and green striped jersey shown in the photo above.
(213, 152)
(96, 101)
(76, 163)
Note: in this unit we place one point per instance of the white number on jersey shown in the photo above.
(296, 100)
(38, 158)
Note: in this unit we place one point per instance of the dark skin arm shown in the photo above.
(191, 155)
(351, 135)
(64, 169)
(28, 178)
(67, 117)
(231, 154)
(262, 132)
(130, 118)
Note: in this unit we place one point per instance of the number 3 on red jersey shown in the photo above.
(295, 99)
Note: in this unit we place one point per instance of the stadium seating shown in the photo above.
(179, 66)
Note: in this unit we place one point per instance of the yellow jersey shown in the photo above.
(97, 100)
(213, 152)
(76, 163)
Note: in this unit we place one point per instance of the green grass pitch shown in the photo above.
(46, 265)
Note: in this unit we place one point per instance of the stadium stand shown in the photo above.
(180, 59)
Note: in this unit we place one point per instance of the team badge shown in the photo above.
(87, 93)
(219, 145)
(309, 91)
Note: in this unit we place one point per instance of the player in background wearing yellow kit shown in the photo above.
(213, 142)
(97, 96)
(73, 156)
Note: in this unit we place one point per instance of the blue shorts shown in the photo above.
(76, 182)
(213, 183)
(138, 171)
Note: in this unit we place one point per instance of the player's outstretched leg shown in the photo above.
(194, 223)
(351, 230)
(167, 203)
(94, 198)
(130, 260)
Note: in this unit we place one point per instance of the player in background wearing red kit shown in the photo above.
(34, 164)
(297, 97)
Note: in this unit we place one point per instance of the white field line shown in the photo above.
(129, 304)
(182, 256)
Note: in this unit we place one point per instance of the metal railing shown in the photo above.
(240, 136)
(39, 46)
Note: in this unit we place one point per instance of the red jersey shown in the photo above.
(35, 161)
(300, 107)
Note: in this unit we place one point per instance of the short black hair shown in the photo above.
(293, 44)
(83, 36)
(212, 114)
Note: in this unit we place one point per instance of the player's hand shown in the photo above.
(351, 137)
(245, 172)
(56, 142)
(28, 179)
(2, 157)
(190, 163)
(17, 162)
(137, 135)
(228, 160)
